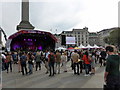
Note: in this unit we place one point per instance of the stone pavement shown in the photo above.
(63, 80)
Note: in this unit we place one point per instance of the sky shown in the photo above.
(61, 15)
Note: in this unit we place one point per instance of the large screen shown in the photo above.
(70, 40)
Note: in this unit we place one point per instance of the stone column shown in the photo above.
(25, 24)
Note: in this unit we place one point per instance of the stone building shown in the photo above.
(93, 38)
(81, 36)
(84, 37)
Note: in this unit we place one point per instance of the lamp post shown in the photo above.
(2, 31)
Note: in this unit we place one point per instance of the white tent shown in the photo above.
(95, 46)
(88, 46)
(101, 47)
(61, 48)
(81, 46)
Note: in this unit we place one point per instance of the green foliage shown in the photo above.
(106, 40)
(114, 37)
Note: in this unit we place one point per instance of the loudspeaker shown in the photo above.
(63, 40)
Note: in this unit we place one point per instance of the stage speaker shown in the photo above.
(63, 40)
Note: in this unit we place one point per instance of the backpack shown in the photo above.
(52, 58)
(23, 59)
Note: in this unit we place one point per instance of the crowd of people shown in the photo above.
(54, 60)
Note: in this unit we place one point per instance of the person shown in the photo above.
(97, 56)
(58, 61)
(46, 60)
(72, 65)
(23, 60)
(38, 60)
(102, 57)
(19, 64)
(9, 61)
(64, 61)
(112, 70)
(86, 58)
(93, 63)
(30, 62)
(80, 62)
(75, 57)
(51, 61)
(3, 61)
(15, 57)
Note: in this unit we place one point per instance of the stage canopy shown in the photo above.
(31, 39)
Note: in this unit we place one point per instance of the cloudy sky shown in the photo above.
(61, 14)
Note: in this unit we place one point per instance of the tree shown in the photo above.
(113, 38)
(106, 40)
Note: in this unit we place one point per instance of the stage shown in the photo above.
(31, 40)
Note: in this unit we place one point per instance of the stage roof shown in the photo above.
(32, 31)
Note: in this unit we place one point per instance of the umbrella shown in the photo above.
(76, 48)
(70, 48)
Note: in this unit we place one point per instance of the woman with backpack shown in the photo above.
(23, 59)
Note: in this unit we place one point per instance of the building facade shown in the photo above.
(81, 37)
(93, 39)
(84, 37)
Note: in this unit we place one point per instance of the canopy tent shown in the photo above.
(88, 46)
(81, 46)
(61, 48)
(101, 47)
(70, 48)
(76, 48)
(95, 46)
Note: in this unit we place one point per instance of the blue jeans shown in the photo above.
(30, 68)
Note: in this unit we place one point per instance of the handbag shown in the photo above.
(105, 86)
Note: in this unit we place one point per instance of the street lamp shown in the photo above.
(2, 31)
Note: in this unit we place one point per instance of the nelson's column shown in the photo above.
(25, 24)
